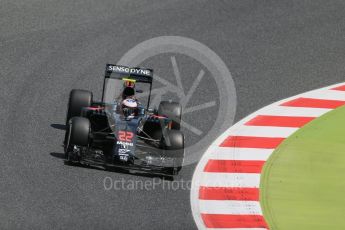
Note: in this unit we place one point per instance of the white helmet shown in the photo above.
(130, 107)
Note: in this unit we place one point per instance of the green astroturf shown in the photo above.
(303, 182)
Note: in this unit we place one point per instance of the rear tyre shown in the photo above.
(78, 99)
(174, 146)
(172, 110)
(77, 134)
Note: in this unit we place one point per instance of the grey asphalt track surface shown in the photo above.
(274, 49)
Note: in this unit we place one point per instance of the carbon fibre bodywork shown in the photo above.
(143, 140)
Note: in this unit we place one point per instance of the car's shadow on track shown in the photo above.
(58, 155)
(113, 169)
(58, 126)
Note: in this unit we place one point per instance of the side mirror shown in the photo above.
(152, 111)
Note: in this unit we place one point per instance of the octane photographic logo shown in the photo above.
(192, 74)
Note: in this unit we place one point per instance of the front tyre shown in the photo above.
(173, 143)
(77, 135)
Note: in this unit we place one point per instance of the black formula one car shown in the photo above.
(122, 130)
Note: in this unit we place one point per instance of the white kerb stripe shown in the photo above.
(241, 180)
(231, 207)
(264, 131)
(230, 153)
(294, 111)
(326, 95)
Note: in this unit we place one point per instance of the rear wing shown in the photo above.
(135, 73)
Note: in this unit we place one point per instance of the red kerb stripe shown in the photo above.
(340, 88)
(314, 103)
(228, 193)
(234, 166)
(279, 121)
(252, 142)
(233, 221)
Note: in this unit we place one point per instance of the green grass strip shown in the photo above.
(303, 182)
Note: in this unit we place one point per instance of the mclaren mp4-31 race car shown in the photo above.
(122, 130)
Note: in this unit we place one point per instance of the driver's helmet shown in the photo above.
(129, 107)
